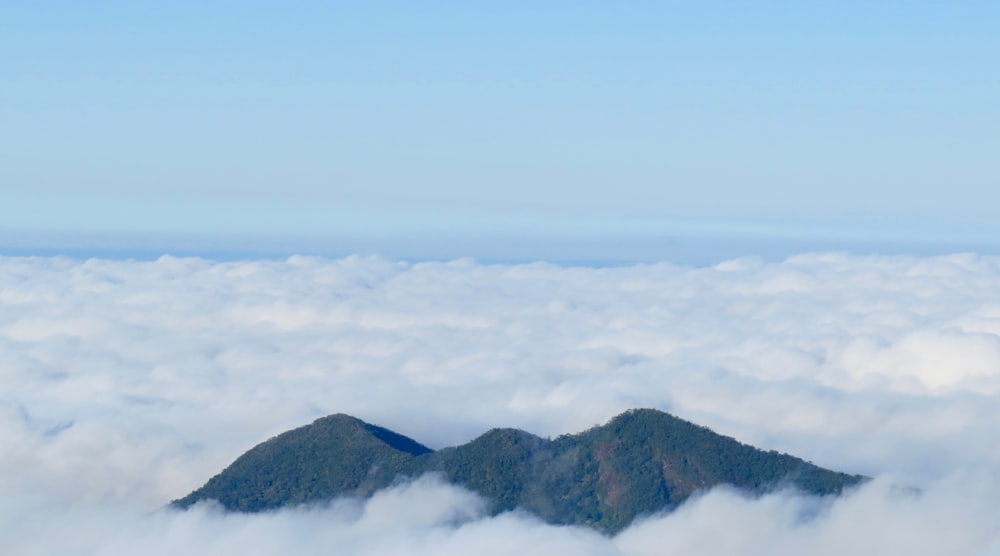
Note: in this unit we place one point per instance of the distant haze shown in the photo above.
(569, 119)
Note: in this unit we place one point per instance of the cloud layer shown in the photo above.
(127, 384)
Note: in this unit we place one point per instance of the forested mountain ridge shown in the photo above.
(642, 461)
(333, 456)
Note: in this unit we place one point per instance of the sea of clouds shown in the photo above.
(126, 384)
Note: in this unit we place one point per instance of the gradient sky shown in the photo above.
(818, 122)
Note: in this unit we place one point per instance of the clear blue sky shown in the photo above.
(513, 121)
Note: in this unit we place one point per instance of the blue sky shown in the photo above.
(461, 128)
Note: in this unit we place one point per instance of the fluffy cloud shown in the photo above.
(127, 384)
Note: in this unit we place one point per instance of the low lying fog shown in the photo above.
(124, 385)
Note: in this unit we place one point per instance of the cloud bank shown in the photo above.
(127, 384)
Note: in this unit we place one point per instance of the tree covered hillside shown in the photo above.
(642, 461)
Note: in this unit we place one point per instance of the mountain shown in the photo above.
(333, 456)
(642, 461)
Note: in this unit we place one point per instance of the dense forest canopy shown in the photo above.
(642, 461)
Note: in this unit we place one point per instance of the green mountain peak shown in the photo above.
(640, 462)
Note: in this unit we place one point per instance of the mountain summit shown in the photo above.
(642, 461)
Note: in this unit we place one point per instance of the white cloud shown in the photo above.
(957, 516)
(127, 384)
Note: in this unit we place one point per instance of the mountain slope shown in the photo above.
(640, 462)
(334, 456)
